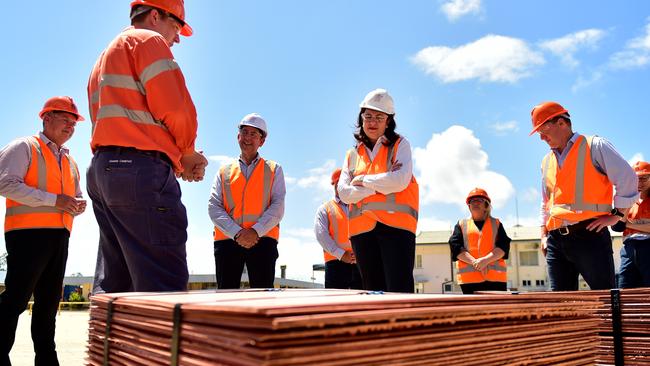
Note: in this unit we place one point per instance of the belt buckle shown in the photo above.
(563, 230)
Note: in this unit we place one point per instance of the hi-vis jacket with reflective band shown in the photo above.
(138, 98)
(245, 200)
(399, 210)
(338, 228)
(44, 173)
(639, 212)
(577, 191)
(480, 243)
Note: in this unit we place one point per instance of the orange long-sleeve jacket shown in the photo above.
(138, 98)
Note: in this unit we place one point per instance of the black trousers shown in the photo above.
(36, 261)
(230, 257)
(342, 275)
(470, 288)
(385, 257)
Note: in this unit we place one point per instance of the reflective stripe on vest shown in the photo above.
(236, 206)
(64, 178)
(338, 228)
(478, 245)
(365, 214)
(579, 208)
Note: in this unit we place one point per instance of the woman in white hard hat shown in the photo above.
(377, 182)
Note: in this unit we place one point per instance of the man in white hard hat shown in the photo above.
(246, 205)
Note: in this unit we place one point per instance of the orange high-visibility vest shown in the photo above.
(399, 210)
(245, 200)
(577, 191)
(480, 243)
(44, 173)
(338, 228)
(138, 98)
(639, 211)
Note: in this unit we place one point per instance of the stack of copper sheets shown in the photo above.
(338, 327)
(624, 323)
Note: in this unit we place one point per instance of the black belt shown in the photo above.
(121, 149)
(566, 230)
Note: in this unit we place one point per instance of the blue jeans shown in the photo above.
(142, 223)
(583, 252)
(635, 264)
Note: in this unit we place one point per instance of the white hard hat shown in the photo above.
(379, 100)
(254, 120)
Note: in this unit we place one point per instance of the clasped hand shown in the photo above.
(72, 205)
(193, 167)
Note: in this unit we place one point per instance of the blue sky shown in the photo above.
(464, 75)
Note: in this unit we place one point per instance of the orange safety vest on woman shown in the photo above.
(138, 98)
(577, 191)
(44, 173)
(639, 211)
(338, 228)
(399, 210)
(245, 200)
(480, 243)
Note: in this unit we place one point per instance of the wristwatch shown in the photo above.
(616, 212)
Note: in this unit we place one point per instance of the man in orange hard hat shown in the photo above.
(144, 133)
(40, 181)
(479, 246)
(635, 254)
(331, 228)
(578, 179)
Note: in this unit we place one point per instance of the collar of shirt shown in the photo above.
(375, 149)
(253, 163)
(561, 156)
(58, 150)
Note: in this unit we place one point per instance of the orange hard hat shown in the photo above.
(335, 176)
(173, 7)
(545, 111)
(62, 104)
(641, 168)
(478, 192)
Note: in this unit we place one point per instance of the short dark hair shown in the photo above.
(391, 135)
(144, 11)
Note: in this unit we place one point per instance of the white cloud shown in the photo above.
(502, 128)
(636, 157)
(451, 164)
(317, 179)
(200, 250)
(526, 221)
(454, 9)
(530, 194)
(567, 46)
(222, 159)
(492, 58)
(635, 54)
(299, 251)
(433, 224)
(582, 82)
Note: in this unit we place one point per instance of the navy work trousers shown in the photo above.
(343, 275)
(635, 263)
(230, 257)
(36, 261)
(581, 252)
(385, 257)
(142, 223)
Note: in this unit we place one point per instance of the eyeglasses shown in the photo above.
(477, 200)
(369, 117)
(546, 126)
(644, 178)
(249, 133)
